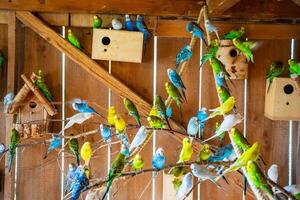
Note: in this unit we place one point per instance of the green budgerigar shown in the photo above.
(2, 61)
(239, 140)
(258, 178)
(294, 67)
(138, 162)
(161, 109)
(97, 22)
(132, 110)
(245, 47)
(155, 122)
(72, 38)
(275, 70)
(174, 93)
(223, 93)
(116, 169)
(41, 85)
(74, 148)
(235, 33)
(14, 141)
(211, 52)
(176, 183)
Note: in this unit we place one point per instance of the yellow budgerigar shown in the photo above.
(120, 124)
(86, 152)
(153, 112)
(111, 116)
(204, 153)
(223, 109)
(186, 151)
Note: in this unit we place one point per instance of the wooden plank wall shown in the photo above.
(39, 179)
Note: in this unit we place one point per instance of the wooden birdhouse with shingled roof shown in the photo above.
(32, 109)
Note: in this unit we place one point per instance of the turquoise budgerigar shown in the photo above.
(161, 109)
(235, 33)
(55, 143)
(196, 31)
(15, 139)
(159, 160)
(176, 81)
(183, 56)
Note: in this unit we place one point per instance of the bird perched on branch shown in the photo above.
(186, 151)
(204, 174)
(275, 70)
(7, 101)
(105, 134)
(245, 47)
(211, 28)
(55, 143)
(235, 33)
(86, 152)
(97, 22)
(132, 110)
(141, 26)
(155, 122)
(78, 118)
(184, 55)
(211, 52)
(41, 85)
(14, 140)
(138, 162)
(161, 109)
(74, 147)
(139, 138)
(79, 182)
(185, 187)
(83, 107)
(294, 67)
(223, 109)
(72, 38)
(111, 115)
(174, 93)
(204, 153)
(176, 81)
(193, 126)
(196, 31)
(116, 24)
(129, 23)
(159, 160)
(120, 124)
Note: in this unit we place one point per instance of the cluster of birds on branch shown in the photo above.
(78, 175)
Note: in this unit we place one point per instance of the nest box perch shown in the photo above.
(32, 109)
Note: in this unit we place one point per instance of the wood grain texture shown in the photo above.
(55, 19)
(217, 6)
(148, 7)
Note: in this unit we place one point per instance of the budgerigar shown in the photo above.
(204, 174)
(222, 154)
(78, 118)
(275, 70)
(196, 31)
(70, 176)
(41, 85)
(204, 153)
(251, 154)
(74, 147)
(86, 152)
(72, 38)
(139, 138)
(176, 81)
(223, 93)
(129, 23)
(111, 116)
(116, 169)
(174, 93)
(80, 181)
(55, 143)
(2, 148)
(132, 110)
(273, 173)
(105, 133)
(211, 28)
(183, 56)
(258, 178)
(229, 121)
(223, 109)
(235, 33)
(158, 159)
(221, 81)
(83, 107)
(186, 151)
(218, 67)
(210, 52)
(97, 22)
(176, 183)
(155, 122)
(294, 67)
(239, 140)
(293, 189)
(2, 61)
(15, 139)
(221, 136)
(7, 101)
(120, 124)
(185, 187)
(138, 162)
(193, 126)
(161, 109)
(202, 116)
(245, 48)
(116, 24)
(141, 26)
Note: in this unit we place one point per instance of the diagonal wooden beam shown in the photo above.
(217, 6)
(88, 64)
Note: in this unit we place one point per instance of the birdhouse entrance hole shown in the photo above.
(233, 53)
(288, 89)
(32, 104)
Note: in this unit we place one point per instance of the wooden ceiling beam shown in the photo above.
(296, 2)
(217, 6)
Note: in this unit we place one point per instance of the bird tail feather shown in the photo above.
(10, 162)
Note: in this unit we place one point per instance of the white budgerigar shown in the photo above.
(139, 138)
(7, 101)
(204, 174)
(273, 173)
(185, 187)
(116, 24)
(229, 122)
(211, 28)
(78, 118)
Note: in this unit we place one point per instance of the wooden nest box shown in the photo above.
(282, 100)
(235, 62)
(32, 110)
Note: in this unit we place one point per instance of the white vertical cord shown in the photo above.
(200, 105)
(108, 148)
(291, 128)
(63, 74)
(154, 95)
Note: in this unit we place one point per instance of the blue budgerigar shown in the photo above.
(185, 187)
(139, 138)
(129, 23)
(7, 101)
(83, 107)
(184, 55)
(176, 81)
(141, 26)
(220, 80)
(159, 160)
(196, 30)
(55, 143)
(80, 181)
(70, 176)
(211, 28)
(222, 154)
(105, 133)
(193, 126)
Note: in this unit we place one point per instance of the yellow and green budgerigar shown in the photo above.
(41, 85)
(258, 178)
(223, 93)
(155, 122)
(72, 38)
(224, 108)
(15, 139)
(275, 70)
(161, 109)
(176, 183)
(251, 154)
(120, 123)
(132, 110)
(204, 153)
(245, 47)
(154, 112)
(86, 152)
(174, 93)
(138, 162)
(74, 148)
(239, 140)
(111, 116)
(186, 151)
(294, 67)
(235, 33)
(97, 21)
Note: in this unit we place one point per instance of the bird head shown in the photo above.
(72, 166)
(193, 166)
(190, 27)
(114, 21)
(242, 29)
(206, 148)
(291, 61)
(127, 17)
(101, 127)
(112, 109)
(168, 85)
(137, 157)
(160, 151)
(126, 101)
(235, 41)
(69, 31)
(139, 18)
(117, 117)
(186, 141)
(95, 17)
(233, 132)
